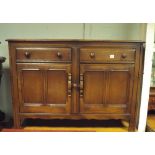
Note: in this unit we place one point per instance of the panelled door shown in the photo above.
(106, 88)
(44, 87)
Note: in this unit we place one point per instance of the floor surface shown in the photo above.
(151, 122)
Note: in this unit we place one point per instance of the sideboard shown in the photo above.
(76, 79)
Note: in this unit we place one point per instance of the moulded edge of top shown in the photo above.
(74, 40)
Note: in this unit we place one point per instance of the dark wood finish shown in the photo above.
(74, 40)
(76, 79)
(43, 54)
(44, 87)
(107, 55)
(106, 86)
(152, 99)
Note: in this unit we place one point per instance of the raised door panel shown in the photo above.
(57, 86)
(44, 88)
(118, 87)
(106, 88)
(93, 92)
(32, 86)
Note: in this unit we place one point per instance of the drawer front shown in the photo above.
(106, 54)
(43, 54)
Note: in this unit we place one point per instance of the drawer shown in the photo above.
(43, 54)
(106, 54)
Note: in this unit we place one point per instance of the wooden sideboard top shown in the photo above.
(74, 40)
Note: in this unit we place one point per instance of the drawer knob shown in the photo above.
(123, 56)
(59, 55)
(92, 55)
(27, 54)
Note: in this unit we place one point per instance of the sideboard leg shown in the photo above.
(17, 123)
(132, 125)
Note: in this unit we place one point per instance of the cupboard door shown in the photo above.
(44, 88)
(106, 88)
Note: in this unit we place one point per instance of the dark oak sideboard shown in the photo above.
(76, 79)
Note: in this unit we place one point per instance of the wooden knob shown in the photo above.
(59, 54)
(92, 55)
(75, 85)
(27, 54)
(123, 56)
